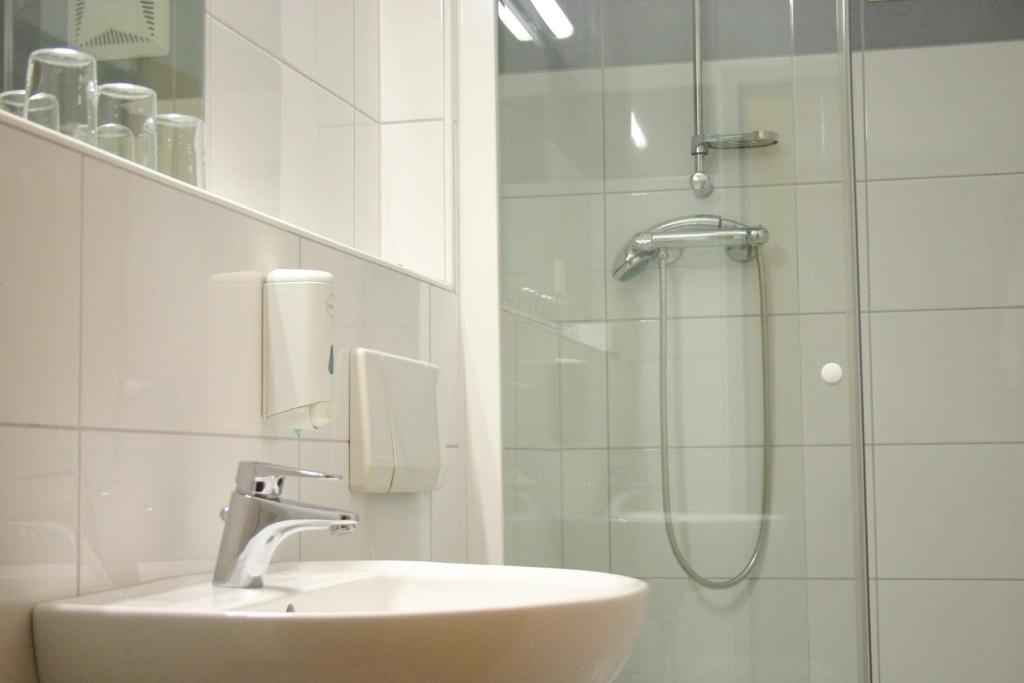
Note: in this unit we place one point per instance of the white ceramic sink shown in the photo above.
(352, 622)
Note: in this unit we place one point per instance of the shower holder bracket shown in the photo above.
(701, 144)
(741, 254)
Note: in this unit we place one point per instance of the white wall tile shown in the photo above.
(942, 243)
(714, 388)
(367, 57)
(949, 511)
(863, 245)
(285, 29)
(553, 256)
(583, 385)
(538, 420)
(757, 631)
(448, 512)
(375, 308)
(40, 279)
(859, 123)
(831, 517)
(411, 60)
(649, 120)
(919, 100)
(150, 505)
(393, 526)
(948, 376)
(740, 95)
(706, 281)
(446, 353)
(585, 531)
(824, 247)
(716, 506)
(367, 185)
(172, 332)
(244, 98)
(539, 508)
(509, 364)
(820, 127)
(951, 631)
(302, 113)
(866, 386)
(335, 179)
(827, 411)
(834, 633)
(551, 133)
(510, 505)
(413, 222)
(38, 534)
(335, 47)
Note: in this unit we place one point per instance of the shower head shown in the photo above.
(684, 233)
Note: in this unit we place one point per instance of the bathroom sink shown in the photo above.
(349, 621)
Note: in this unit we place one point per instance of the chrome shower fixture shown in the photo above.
(701, 144)
(678, 234)
(663, 244)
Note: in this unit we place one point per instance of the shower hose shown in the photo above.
(766, 477)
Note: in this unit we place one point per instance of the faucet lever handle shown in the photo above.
(266, 480)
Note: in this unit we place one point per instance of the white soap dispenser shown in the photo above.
(298, 352)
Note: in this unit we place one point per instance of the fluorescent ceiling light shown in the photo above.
(636, 132)
(512, 23)
(551, 12)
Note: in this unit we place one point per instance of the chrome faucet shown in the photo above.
(257, 520)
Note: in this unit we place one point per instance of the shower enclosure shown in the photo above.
(680, 366)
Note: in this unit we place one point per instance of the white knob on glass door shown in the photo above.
(832, 373)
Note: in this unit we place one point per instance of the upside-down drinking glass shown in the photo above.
(42, 108)
(116, 139)
(70, 77)
(180, 149)
(132, 107)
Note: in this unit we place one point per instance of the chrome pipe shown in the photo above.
(700, 183)
(698, 74)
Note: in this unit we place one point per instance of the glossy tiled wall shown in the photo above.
(943, 298)
(338, 116)
(131, 382)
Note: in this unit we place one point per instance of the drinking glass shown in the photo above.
(116, 139)
(130, 106)
(69, 76)
(42, 108)
(180, 150)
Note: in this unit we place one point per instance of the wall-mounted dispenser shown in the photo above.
(298, 352)
(395, 432)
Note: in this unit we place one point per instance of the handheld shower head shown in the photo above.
(683, 233)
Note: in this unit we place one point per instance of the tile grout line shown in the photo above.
(789, 314)
(754, 186)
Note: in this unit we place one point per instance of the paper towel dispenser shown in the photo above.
(395, 431)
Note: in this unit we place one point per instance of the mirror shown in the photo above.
(336, 116)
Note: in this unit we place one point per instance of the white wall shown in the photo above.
(941, 219)
(338, 116)
(131, 381)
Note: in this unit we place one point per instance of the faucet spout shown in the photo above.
(258, 522)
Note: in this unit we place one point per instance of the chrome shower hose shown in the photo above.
(766, 476)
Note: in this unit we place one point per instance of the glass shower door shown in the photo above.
(597, 157)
